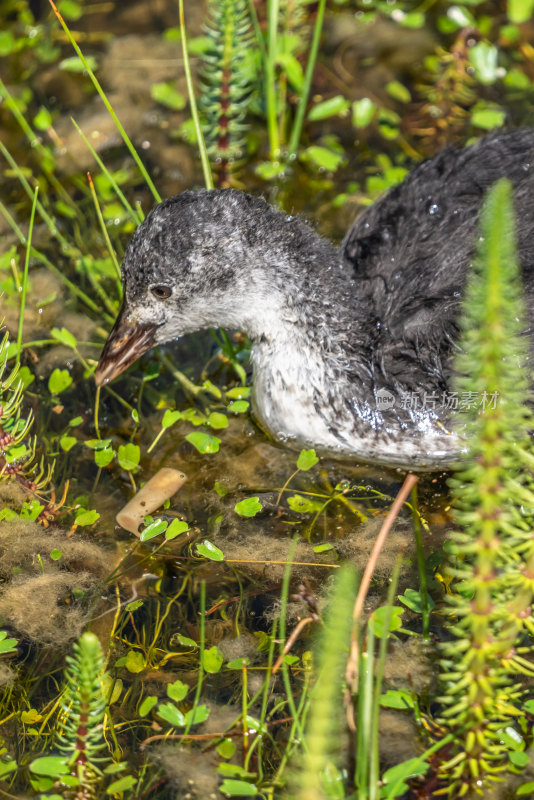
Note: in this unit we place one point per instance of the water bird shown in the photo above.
(351, 345)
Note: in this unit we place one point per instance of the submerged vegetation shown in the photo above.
(231, 650)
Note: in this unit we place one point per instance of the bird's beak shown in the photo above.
(127, 341)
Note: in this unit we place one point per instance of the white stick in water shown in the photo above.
(159, 488)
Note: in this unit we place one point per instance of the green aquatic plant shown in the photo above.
(227, 76)
(493, 496)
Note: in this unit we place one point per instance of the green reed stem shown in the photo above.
(270, 78)
(374, 756)
(283, 612)
(126, 139)
(257, 32)
(116, 188)
(425, 608)
(105, 233)
(206, 169)
(25, 276)
(296, 130)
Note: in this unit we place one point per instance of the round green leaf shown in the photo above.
(170, 417)
(204, 442)
(217, 420)
(171, 714)
(67, 442)
(58, 381)
(235, 788)
(50, 766)
(168, 95)
(212, 660)
(306, 460)
(209, 550)
(147, 705)
(176, 527)
(177, 690)
(129, 456)
(248, 507)
(154, 529)
(329, 108)
(86, 517)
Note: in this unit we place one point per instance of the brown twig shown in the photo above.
(352, 663)
(291, 641)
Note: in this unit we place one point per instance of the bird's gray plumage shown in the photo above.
(334, 330)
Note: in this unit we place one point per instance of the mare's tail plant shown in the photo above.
(226, 75)
(494, 505)
(318, 770)
(80, 733)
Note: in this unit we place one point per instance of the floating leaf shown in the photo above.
(488, 118)
(7, 646)
(86, 517)
(147, 705)
(379, 616)
(217, 420)
(248, 507)
(74, 64)
(238, 393)
(397, 698)
(304, 505)
(171, 714)
(176, 527)
(212, 660)
(238, 407)
(124, 783)
(323, 158)
(398, 91)
(170, 417)
(129, 456)
(177, 690)
(332, 107)
(209, 550)
(323, 548)
(166, 94)
(484, 58)
(55, 554)
(226, 748)
(50, 765)
(306, 460)
(520, 10)
(135, 661)
(197, 714)
(43, 119)
(363, 112)
(58, 381)
(67, 443)
(204, 442)
(7, 43)
(236, 788)
(104, 457)
(154, 529)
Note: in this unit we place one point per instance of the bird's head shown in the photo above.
(189, 266)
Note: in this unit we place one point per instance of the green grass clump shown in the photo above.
(493, 500)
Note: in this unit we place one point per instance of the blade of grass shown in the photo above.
(425, 610)
(206, 169)
(35, 143)
(296, 130)
(52, 267)
(374, 767)
(126, 139)
(105, 234)
(270, 83)
(25, 276)
(116, 188)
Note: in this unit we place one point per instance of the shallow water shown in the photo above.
(104, 563)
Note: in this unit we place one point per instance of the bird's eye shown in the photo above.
(161, 292)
